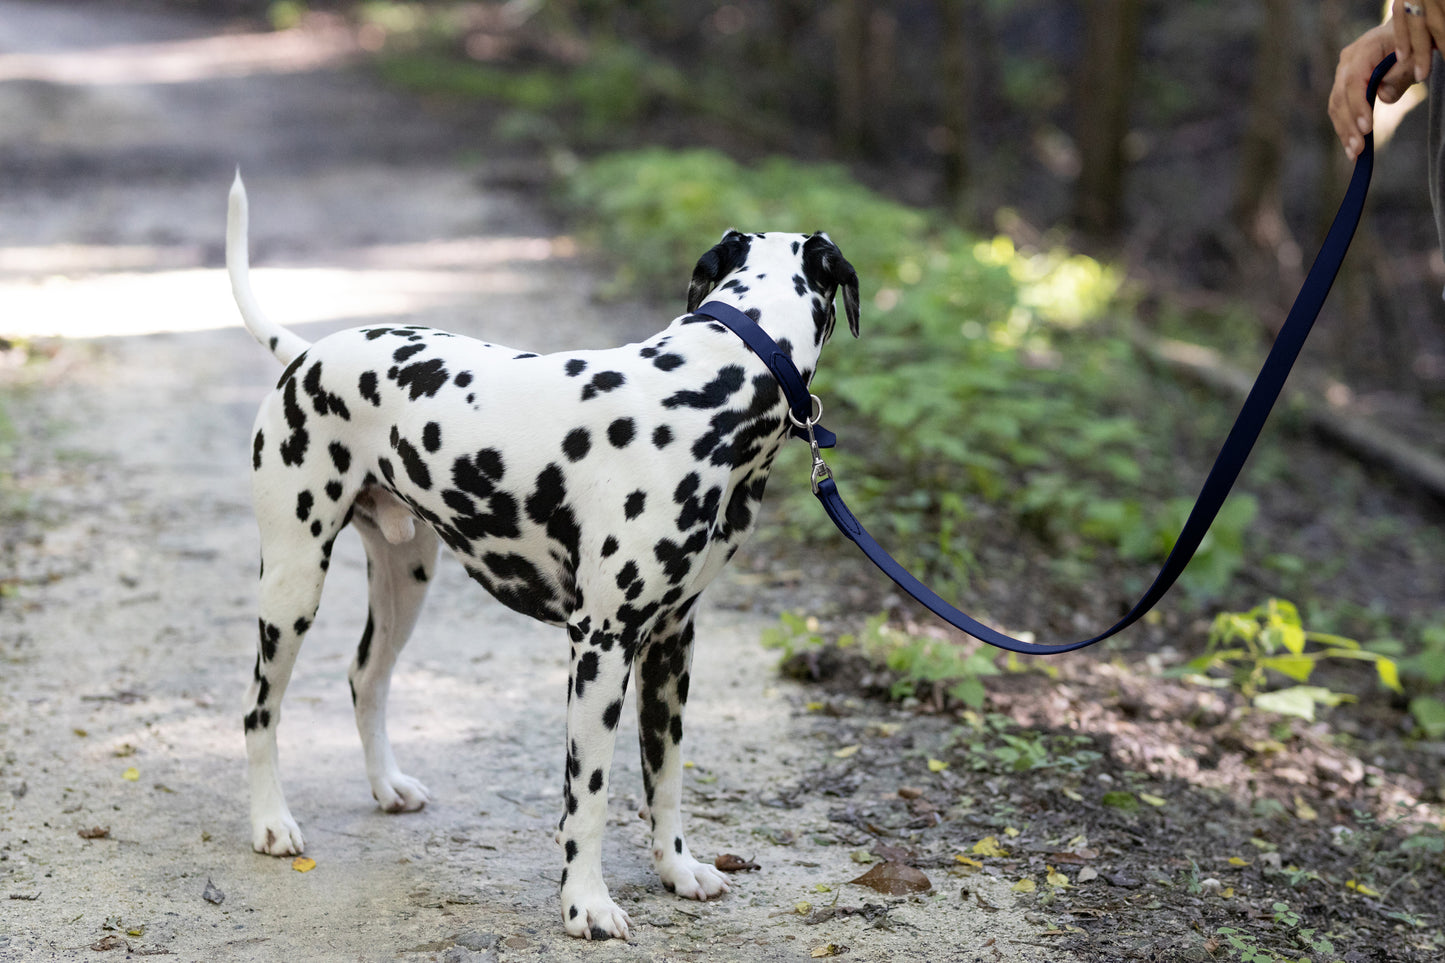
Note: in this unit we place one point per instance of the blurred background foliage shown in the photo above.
(1036, 194)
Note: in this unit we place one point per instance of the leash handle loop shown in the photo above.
(1227, 466)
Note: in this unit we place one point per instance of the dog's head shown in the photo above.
(810, 262)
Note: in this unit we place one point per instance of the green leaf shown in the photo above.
(1429, 713)
(1389, 674)
(1297, 667)
(1299, 701)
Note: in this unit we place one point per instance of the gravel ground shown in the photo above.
(128, 553)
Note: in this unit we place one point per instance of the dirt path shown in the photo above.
(126, 616)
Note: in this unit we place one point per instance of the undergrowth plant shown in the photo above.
(917, 662)
(1271, 640)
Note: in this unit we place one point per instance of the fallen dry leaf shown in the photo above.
(988, 846)
(1087, 875)
(111, 942)
(94, 832)
(847, 751)
(828, 949)
(729, 863)
(894, 879)
(1025, 886)
(303, 864)
(131, 775)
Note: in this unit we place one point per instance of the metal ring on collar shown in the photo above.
(817, 415)
(1413, 9)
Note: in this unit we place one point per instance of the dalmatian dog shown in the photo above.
(599, 491)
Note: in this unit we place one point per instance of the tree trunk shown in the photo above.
(1111, 48)
(1257, 208)
(956, 67)
(850, 74)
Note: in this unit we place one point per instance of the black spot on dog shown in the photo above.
(547, 495)
(291, 369)
(366, 384)
(677, 845)
(256, 444)
(406, 351)
(462, 379)
(373, 333)
(302, 624)
(627, 575)
(635, 504)
(612, 714)
(431, 437)
(322, 400)
(609, 547)
(571, 855)
(575, 367)
(423, 378)
(603, 382)
(270, 638)
(669, 362)
(661, 437)
(293, 449)
(363, 651)
(714, 394)
(316, 529)
(677, 559)
(577, 444)
(621, 432)
(594, 784)
(304, 502)
(587, 668)
(340, 457)
(411, 460)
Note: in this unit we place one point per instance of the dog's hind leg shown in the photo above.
(397, 574)
(662, 670)
(293, 568)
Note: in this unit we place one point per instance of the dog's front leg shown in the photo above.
(662, 682)
(597, 685)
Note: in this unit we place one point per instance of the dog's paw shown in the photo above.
(691, 879)
(595, 918)
(399, 793)
(277, 836)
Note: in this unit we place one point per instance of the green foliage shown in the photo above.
(993, 381)
(916, 661)
(1270, 640)
(994, 743)
(1290, 927)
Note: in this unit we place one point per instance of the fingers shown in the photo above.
(1349, 111)
(1418, 33)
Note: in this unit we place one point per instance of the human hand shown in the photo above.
(1349, 110)
(1419, 28)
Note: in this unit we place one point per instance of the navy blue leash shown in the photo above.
(804, 411)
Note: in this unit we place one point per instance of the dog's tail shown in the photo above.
(282, 343)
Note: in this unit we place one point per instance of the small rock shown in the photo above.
(475, 940)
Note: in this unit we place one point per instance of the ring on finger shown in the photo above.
(1413, 9)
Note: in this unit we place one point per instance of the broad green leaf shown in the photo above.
(1297, 667)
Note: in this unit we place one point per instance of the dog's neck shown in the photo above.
(798, 324)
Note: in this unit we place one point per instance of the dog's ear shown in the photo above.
(848, 285)
(827, 265)
(726, 256)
